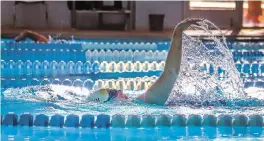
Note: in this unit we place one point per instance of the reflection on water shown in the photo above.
(134, 134)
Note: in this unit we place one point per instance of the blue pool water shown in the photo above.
(132, 134)
(56, 78)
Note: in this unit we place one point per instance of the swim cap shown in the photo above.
(105, 95)
(99, 96)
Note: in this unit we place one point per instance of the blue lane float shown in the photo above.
(139, 83)
(10, 68)
(123, 121)
(72, 121)
(102, 121)
(209, 120)
(106, 54)
(41, 120)
(163, 120)
(179, 120)
(133, 121)
(87, 121)
(225, 120)
(194, 120)
(255, 120)
(106, 70)
(118, 120)
(10, 119)
(148, 121)
(57, 120)
(26, 120)
(240, 120)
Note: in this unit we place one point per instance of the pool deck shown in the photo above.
(166, 34)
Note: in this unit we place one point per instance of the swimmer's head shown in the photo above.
(99, 96)
(104, 95)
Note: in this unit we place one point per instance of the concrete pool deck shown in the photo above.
(166, 34)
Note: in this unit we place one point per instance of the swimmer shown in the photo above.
(159, 92)
(31, 35)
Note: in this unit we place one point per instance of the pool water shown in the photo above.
(65, 100)
(56, 78)
(133, 134)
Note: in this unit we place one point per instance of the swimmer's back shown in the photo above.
(32, 35)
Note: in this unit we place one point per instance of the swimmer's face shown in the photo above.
(99, 96)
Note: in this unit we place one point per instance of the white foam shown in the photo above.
(207, 86)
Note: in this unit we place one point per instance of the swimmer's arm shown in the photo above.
(32, 35)
(159, 92)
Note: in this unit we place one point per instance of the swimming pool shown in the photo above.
(38, 80)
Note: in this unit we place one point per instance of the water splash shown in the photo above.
(195, 83)
(208, 72)
(65, 100)
(48, 93)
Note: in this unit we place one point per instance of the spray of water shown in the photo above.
(195, 82)
(208, 72)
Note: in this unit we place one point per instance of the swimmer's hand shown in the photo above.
(186, 23)
(99, 96)
(22, 36)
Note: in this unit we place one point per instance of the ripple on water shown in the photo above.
(52, 99)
